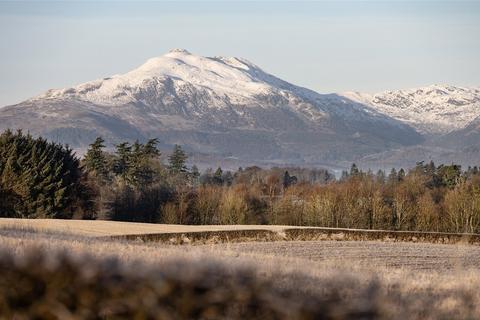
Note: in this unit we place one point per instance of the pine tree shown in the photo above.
(393, 176)
(380, 176)
(140, 172)
(150, 148)
(450, 175)
(228, 178)
(218, 177)
(95, 159)
(136, 163)
(38, 178)
(354, 172)
(177, 160)
(288, 180)
(122, 161)
(430, 169)
(195, 174)
(8, 202)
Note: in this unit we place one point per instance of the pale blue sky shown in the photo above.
(326, 46)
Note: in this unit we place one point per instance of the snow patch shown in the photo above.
(435, 109)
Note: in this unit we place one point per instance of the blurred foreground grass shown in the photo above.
(37, 286)
(61, 276)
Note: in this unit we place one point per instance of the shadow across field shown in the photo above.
(302, 234)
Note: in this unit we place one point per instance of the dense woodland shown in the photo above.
(40, 179)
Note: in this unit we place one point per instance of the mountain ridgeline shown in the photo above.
(231, 108)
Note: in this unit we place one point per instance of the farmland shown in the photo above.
(345, 279)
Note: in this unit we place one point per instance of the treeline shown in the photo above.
(133, 184)
(137, 183)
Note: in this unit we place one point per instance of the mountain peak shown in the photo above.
(179, 50)
(217, 78)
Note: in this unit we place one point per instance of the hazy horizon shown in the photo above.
(325, 46)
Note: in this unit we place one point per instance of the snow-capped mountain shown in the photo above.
(436, 109)
(220, 105)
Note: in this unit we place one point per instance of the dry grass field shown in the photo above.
(177, 234)
(48, 272)
(99, 228)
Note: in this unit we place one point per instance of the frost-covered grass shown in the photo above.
(76, 277)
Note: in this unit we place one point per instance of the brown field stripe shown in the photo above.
(300, 234)
(196, 236)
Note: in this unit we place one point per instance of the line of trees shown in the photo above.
(133, 183)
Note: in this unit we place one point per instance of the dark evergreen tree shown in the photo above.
(393, 176)
(8, 202)
(288, 180)
(141, 172)
(450, 175)
(218, 177)
(195, 174)
(430, 169)
(38, 178)
(150, 149)
(95, 159)
(122, 162)
(228, 178)
(380, 176)
(136, 164)
(354, 172)
(177, 160)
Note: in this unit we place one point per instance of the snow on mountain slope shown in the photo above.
(216, 83)
(221, 105)
(227, 76)
(435, 109)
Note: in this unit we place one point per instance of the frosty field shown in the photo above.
(272, 280)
